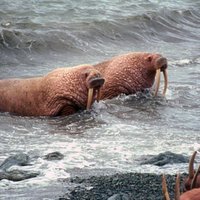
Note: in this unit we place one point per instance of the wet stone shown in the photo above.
(165, 158)
(20, 159)
(17, 175)
(54, 156)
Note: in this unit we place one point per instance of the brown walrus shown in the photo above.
(192, 194)
(61, 92)
(132, 72)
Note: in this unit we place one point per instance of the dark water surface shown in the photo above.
(38, 36)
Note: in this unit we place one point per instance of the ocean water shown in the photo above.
(37, 36)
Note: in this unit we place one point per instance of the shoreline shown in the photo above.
(98, 184)
(87, 184)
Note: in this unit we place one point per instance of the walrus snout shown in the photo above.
(164, 67)
(96, 82)
(161, 63)
(94, 78)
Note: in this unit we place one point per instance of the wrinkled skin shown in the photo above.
(129, 73)
(193, 194)
(61, 92)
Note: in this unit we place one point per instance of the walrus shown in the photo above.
(63, 91)
(131, 73)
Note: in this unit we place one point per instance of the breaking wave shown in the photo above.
(170, 26)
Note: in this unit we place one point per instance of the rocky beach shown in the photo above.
(91, 184)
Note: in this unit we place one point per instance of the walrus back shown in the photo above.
(15, 96)
(101, 67)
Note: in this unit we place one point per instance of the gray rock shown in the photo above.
(165, 158)
(20, 159)
(54, 156)
(17, 175)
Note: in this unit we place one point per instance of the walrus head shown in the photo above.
(72, 89)
(160, 64)
(131, 73)
(94, 81)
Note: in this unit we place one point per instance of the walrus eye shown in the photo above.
(149, 58)
(86, 73)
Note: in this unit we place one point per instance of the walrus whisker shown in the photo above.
(165, 81)
(157, 82)
(90, 98)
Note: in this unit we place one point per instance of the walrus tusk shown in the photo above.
(157, 82)
(164, 188)
(90, 98)
(177, 187)
(166, 81)
(193, 183)
(191, 165)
